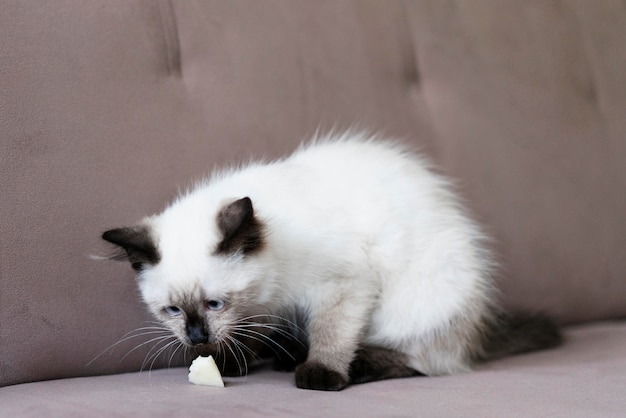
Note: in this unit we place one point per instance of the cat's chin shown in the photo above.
(204, 350)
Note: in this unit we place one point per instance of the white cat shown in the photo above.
(353, 238)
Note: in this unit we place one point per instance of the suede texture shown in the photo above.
(108, 108)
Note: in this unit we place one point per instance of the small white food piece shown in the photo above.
(203, 371)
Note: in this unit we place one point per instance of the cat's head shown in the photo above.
(199, 273)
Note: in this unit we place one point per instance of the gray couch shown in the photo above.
(107, 108)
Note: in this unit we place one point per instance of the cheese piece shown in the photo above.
(203, 371)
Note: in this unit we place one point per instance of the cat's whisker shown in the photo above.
(185, 351)
(152, 340)
(226, 343)
(242, 333)
(136, 333)
(172, 347)
(149, 355)
(219, 353)
(142, 334)
(272, 327)
(160, 351)
(250, 334)
(238, 345)
(248, 349)
(173, 354)
(285, 327)
(287, 323)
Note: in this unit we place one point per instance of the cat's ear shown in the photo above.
(135, 244)
(241, 230)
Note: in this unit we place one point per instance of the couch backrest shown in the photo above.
(107, 108)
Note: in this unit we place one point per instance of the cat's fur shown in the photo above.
(359, 238)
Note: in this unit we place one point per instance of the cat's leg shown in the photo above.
(335, 328)
(375, 363)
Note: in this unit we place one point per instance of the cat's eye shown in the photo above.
(173, 311)
(215, 305)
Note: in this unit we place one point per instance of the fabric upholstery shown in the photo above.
(108, 108)
(585, 378)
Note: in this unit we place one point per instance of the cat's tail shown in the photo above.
(518, 332)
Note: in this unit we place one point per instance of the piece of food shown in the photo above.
(203, 371)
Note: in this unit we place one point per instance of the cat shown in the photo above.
(353, 249)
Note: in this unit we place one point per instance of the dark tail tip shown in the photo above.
(518, 332)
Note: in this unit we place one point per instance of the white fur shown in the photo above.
(360, 234)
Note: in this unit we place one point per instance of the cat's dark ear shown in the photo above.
(136, 245)
(241, 230)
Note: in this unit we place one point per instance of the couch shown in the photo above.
(108, 108)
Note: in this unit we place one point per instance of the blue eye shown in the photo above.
(173, 311)
(215, 305)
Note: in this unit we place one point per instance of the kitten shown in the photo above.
(364, 251)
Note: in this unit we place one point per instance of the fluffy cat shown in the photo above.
(351, 259)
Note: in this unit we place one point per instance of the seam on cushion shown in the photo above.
(170, 37)
(411, 71)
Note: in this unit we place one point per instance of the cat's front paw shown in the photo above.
(318, 377)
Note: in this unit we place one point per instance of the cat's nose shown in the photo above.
(197, 334)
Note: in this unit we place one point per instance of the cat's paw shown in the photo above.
(318, 377)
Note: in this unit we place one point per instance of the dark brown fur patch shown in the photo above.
(241, 230)
(376, 363)
(518, 332)
(316, 376)
(137, 243)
